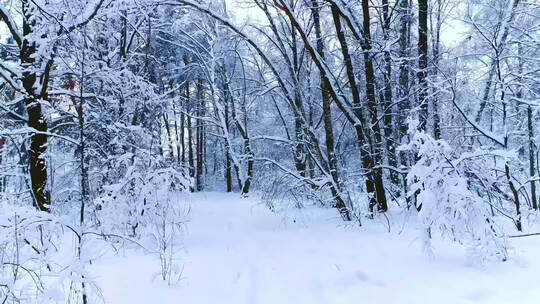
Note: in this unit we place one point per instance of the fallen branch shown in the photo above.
(522, 235)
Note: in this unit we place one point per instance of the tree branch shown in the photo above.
(6, 17)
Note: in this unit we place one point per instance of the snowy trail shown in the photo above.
(239, 252)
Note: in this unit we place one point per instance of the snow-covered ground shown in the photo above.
(237, 251)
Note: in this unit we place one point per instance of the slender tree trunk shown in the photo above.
(190, 130)
(367, 159)
(250, 162)
(190, 147)
(183, 121)
(2, 178)
(123, 42)
(200, 135)
(169, 136)
(349, 113)
(493, 68)
(183, 129)
(422, 63)
(515, 194)
(436, 48)
(388, 98)
(485, 96)
(300, 156)
(403, 88)
(85, 188)
(327, 119)
(36, 120)
(228, 161)
(177, 134)
(245, 185)
(307, 146)
(422, 73)
(504, 104)
(532, 170)
(530, 131)
(372, 106)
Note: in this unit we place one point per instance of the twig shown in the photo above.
(522, 235)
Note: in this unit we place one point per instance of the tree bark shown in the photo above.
(515, 194)
(228, 161)
(532, 170)
(2, 179)
(367, 159)
(177, 135)
(403, 88)
(190, 147)
(36, 120)
(350, 114)
(436, 47)
(189, 129)
(169, 136)
(300, 156)
(183, 128)
(493, 68)
(327, 119)
(372, 106)
(242, 128)
(388, 98)
(530, 131)
(200, 135)
(422, 64)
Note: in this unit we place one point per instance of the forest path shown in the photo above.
(237, 251)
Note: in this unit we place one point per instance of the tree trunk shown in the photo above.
(436, 46)
(307, 145)
(36, 120)
(349, 113)
(190, 147)
(169, 137)
(84, 184)
(300, 156)
(245, 185)
(387, 105)
(530, 127)
(422, 63)
(515, 194)
(190, 130)
(200, 135)
(2, 179)
(228, 161)
(327, 119)
(500, 46)
(183, 128)
(530, 130)
(367, 160)
(403, 88)
(177, 134)
(372, 106)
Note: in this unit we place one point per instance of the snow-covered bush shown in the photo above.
(451, 194)
(42, 259)
(132, 203)
(148, 205)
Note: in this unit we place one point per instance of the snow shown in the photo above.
(237, 251)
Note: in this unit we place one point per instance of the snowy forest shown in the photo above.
(269, 151)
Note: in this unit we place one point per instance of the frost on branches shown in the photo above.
(148, 207)
(41, 258)
(452, 194)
